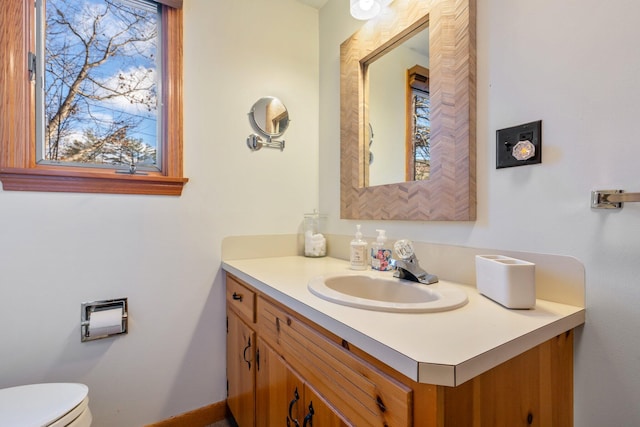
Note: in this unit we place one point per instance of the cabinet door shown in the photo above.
(283, 398)
(241, 341)
(318, 412)
(279, 391)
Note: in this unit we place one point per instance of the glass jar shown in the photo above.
(315, 244)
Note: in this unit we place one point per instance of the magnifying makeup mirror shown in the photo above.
(269, 119)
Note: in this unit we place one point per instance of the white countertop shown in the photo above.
(446, 348)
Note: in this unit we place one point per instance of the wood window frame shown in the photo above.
(19, 170)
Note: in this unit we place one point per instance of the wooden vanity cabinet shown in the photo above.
(299, 365)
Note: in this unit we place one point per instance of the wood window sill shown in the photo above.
(28, 179)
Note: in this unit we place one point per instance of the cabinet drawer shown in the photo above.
(241, 299)
(362, 394)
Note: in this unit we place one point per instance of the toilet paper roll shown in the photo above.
(105, 322)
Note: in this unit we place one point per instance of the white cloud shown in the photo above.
(138, 84)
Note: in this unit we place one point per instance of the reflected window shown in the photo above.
(420, 132)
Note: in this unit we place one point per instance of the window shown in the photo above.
(96, 117)
(97, 99)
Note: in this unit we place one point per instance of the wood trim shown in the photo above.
(15, 94)
(413, 82)
(24, 179)
(450, 193)
(173, 112)
(18, 168)
(200, 417)
(177, 4)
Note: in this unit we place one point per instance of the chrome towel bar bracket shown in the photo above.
(612, 199)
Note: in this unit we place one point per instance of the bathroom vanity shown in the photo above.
(295, 358)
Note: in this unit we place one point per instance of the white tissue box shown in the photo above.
(508, 281)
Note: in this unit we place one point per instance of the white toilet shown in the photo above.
(50, 405)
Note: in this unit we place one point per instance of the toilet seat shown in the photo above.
(52, 405)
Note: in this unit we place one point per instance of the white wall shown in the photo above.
(575, 66)
(163, 253)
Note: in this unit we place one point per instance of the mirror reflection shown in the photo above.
(399, 111)
(269, 117)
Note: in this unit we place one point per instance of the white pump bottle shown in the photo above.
(358, 251)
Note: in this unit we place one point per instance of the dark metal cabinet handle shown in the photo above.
(244, 353)
(295, 399)
(309, 417)
(237, 296)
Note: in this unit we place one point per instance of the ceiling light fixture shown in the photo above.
(367, 9)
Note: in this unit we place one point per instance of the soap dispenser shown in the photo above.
(380, 253)
(358, 251)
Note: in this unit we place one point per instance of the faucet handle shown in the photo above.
(404, 249)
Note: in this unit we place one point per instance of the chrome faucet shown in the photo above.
(408, 267)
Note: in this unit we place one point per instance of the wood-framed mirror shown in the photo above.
(450, 192)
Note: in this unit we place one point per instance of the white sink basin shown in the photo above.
(384, 293)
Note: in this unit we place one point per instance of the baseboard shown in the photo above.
(200, 417)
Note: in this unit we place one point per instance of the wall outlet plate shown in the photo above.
(506, 140)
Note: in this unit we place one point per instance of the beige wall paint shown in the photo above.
(163, 253)
(573, 65)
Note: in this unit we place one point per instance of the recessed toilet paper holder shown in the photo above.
(90, 331)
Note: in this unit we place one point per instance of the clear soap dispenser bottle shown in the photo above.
(358, 251)
(380, 253)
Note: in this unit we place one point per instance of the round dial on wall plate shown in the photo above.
(524, 150)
